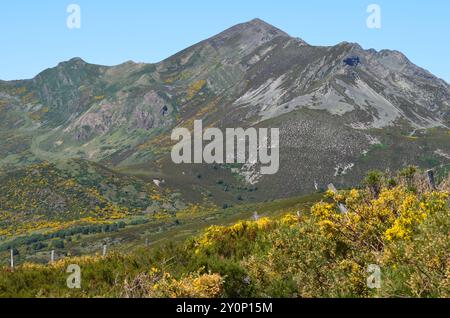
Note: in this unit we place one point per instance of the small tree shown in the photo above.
(408, 175)
(58, 243)
(373, 181)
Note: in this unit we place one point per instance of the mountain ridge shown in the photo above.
(248, 75)
(256, 22)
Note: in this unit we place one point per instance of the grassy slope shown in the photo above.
(141, 227)
(276, 257)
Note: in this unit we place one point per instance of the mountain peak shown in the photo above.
(75, 60)
(247, 35)
(260, 23)
(260, 26)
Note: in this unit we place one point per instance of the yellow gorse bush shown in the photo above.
(192, 286)
(226, 239)
(370, 221)
(158, 284)
(242, 230)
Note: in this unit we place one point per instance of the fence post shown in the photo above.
(255, 216)
(299, 216)
(52, 257)
(431, 180)
(104, 249)
(12, 259)
(342, 207)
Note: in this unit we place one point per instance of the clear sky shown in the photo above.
(34, 35)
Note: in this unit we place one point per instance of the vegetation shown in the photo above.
(402, 227)
(53, 197)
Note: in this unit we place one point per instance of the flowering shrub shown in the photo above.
(230, 240)
(403, 230)
(158, 284)
(394, 214)
(398, 224)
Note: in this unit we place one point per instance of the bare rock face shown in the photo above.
(97, 121)
(344, 79)
(151, 112)
(143, 119)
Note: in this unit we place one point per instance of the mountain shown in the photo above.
(341, 110)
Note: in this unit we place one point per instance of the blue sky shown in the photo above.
(34, 35)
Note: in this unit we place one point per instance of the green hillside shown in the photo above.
(49, 196)
(392, 222)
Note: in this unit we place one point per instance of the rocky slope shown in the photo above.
(342, 110)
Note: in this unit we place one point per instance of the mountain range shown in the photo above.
(341, 110)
